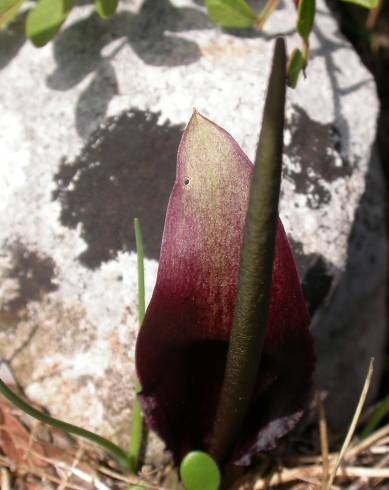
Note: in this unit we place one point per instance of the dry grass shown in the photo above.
(35, 457)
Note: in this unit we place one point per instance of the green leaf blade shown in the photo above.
(199, 471)
(231, 13)
(138, 429)
(106, 8)
(305, 17)
(45, 20)
(9, 9)
(115, 450)
(295, 65)
(368, 4)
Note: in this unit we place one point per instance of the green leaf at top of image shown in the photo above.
(305, 17)
(295, 65)
(199, 471)
(106, 8)
(369, 4)
(8, 11)
(231, 13)
(46, 18)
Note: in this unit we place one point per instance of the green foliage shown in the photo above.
(199, 471)
(295, 65)
(8, 11)
(115, 450)
(106, 8)
(138, 432)
(378, 415)
(231, 13)
(369, 4)
(46, 18)
(305, 17)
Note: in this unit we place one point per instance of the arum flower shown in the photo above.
(225, 357)
(182, 346)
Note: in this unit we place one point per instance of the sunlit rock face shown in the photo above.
(89, 130)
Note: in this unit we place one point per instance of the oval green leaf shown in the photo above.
(106, 8)
(231, 13)
(199, 471)
(305, 17)
(8, 11)
(46, 18)
(295, 65)
(369, 4)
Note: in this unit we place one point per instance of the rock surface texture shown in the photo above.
(89, 129)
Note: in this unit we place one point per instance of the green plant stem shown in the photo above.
(141, 270)
(265, 13)
(305, 52)
(256, 267)
(138, 428)
(115, 450)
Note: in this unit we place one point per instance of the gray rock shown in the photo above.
(89, 129)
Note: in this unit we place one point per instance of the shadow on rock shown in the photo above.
(93, 102)
(11, 40)
(78, 51)
(125, 170)
(351, 328)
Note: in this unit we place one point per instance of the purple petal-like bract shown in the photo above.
(182, 346)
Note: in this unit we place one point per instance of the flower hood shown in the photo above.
(182, 345)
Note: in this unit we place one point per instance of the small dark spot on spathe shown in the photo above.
(315, 151)
(34, 273)
(125, 170)
(315, 274)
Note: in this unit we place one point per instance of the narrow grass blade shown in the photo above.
(369, 441)
(255, 276)
(353, 425)
(138, 432)
(141, 270)
(378, 415)
(115, 450)
(323, 439)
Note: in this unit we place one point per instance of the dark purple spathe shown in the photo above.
(182, 346)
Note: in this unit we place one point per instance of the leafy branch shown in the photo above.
(46, 17)
(239, 14)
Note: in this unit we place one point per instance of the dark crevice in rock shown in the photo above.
(316, 154)
(353, 327)
(317, 284)
(316, 275)
(125, 170)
